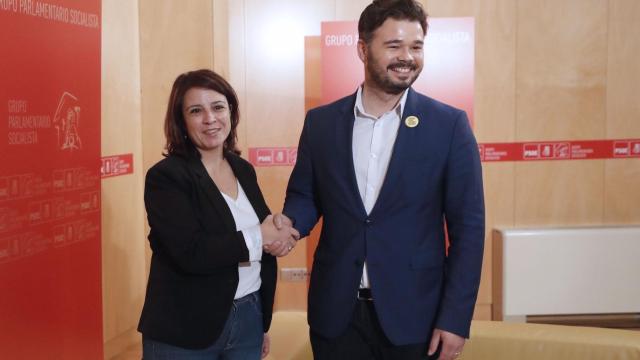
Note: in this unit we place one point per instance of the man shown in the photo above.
(386, 167)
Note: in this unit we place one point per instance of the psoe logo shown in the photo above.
(67, 121)
(621, 149)
(264, 156)
(531, 151)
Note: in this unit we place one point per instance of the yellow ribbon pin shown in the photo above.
(411, 121)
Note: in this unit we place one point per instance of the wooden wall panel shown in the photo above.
(494, 100)
(221, 37)
(623, 111)
(123, 262)
(174, 37)
(622, 197)
(623, 71)
(237, 59)
(561, 93)
(559, 193)
(561, 69)
(446, 8)
(494, 107)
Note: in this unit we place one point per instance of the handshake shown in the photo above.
(278, 235)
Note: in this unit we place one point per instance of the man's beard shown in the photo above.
(382, 79)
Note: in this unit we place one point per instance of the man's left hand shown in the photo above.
(452, 344)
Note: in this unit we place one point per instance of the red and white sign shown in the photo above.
(116, 165)
(50, 262)
(560, 150)
(273, 156)
(499, 152)
(626, 148)
(546, 151)
(490, 152)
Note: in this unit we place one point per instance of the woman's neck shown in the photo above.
(212, 160)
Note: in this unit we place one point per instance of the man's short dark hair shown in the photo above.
(379, 11)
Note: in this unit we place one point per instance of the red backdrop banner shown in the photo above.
(491, 152)
(561, 150)
(50, 265)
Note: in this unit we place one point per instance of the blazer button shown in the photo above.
(368, 221)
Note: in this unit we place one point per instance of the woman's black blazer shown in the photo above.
(196, 251)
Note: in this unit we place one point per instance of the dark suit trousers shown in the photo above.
(364, 339)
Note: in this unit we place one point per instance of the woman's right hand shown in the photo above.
(277, 242)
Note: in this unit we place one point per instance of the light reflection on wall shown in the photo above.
(281, 39)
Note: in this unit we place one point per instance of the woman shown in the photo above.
(211, 286)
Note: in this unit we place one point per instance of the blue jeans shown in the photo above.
(241, 338)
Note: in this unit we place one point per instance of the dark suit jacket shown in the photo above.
(434, 175)
(196, 251)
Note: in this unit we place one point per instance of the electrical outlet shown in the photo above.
(293, 274)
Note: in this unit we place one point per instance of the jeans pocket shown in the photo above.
(256, 302)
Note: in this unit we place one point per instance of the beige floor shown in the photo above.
(289, 339)
(132, 353)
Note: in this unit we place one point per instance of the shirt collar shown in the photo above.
(358, 109)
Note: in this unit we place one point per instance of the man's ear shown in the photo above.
(362, 50)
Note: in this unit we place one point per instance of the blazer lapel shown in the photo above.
(344, 141)
(213, 193)
(249, 186)
(405, 140)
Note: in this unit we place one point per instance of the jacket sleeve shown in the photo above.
(176, 226)
(301, 204)
(464, 214)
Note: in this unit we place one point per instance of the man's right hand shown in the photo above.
(278, 241)
(281, 220)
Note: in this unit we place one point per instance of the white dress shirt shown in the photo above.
(247, 221)
(373, 140)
